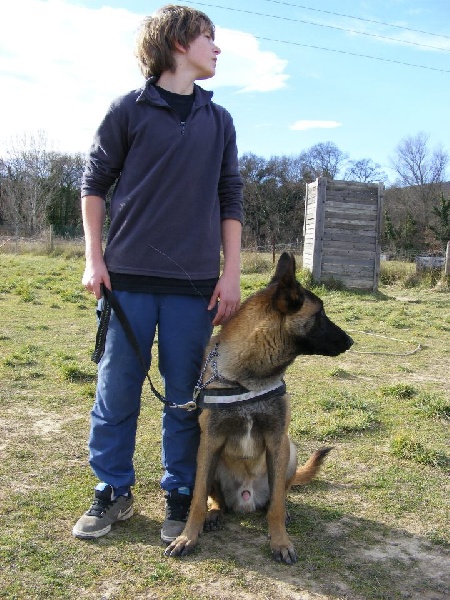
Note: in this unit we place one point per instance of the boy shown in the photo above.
(172, 154)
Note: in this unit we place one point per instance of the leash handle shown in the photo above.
(100, 338)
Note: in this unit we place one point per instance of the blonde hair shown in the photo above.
(158, 34)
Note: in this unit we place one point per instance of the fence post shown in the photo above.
(447, 261)
(50, 242)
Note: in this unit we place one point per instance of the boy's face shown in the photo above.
(201, 56)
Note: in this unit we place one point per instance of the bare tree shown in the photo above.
(421, 173)
(417, 164)
(322, 160)
(26, 186)
(364, 170)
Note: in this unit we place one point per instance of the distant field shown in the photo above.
(373, 525)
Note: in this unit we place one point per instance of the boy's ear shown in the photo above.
(179, 48)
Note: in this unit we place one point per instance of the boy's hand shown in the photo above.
(94, 275)
(227, 294)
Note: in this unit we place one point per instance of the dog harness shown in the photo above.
(237, 395)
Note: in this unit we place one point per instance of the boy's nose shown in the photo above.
(217, 50)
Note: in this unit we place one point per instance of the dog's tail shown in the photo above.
(306, 472)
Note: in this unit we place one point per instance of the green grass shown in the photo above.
(403, 446)
(374, 524)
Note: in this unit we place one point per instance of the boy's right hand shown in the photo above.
(94, 275)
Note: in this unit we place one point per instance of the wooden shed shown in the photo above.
(342, 232)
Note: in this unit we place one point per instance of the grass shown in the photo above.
(404, 446)
(373, 525)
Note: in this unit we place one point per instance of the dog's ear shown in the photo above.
(285, 267)
(288, 296)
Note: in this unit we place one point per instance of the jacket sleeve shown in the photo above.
(107, 154)
(230, 182)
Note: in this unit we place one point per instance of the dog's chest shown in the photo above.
(248, 442)
(245, 441)
(245, 429)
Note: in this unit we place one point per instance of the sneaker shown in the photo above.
(104, 511)
(178, 503)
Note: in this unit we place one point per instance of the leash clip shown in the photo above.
(189, 406)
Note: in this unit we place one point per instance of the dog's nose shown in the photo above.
(349, 342)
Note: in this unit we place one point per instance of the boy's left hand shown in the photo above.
(227, 295)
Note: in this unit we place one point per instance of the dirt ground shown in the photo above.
(409, 567)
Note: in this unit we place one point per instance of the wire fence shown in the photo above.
(47, 242)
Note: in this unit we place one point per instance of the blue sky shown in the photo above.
(292, 73)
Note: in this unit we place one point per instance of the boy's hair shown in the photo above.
(155, 43)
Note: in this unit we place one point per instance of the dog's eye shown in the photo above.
(319, 318)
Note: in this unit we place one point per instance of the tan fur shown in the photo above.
(246, 460)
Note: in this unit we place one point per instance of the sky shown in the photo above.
(363, 74)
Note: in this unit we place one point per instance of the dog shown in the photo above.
(246, 460)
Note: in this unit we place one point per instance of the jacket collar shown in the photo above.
(148, 93)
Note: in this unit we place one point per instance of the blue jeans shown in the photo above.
(184, 328)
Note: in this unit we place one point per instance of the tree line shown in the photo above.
(40, 187)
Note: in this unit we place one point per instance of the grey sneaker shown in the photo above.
(178, 503)
(103, 512)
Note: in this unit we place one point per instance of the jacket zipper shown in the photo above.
(183, 123)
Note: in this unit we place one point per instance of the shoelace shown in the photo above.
(178, 507)
(99, 507)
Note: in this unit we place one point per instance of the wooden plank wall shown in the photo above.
(342, 232)
(313, 228)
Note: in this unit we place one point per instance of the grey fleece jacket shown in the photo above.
(175, 182)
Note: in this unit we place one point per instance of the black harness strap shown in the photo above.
(236, 396)
(110, 301)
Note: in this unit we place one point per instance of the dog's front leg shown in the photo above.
(217, 506)
(207, 459)
(277, 462)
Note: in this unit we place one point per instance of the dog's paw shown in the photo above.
(213, 521)
(285, 554)
(180, 547)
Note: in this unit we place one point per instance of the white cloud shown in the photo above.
(61, 64)
(244, 65)
(305, 125)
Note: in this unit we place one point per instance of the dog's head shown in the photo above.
(272, 327)
(304, 318)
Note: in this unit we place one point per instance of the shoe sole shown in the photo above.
(166, 540)
(92, 535)
(169, 539)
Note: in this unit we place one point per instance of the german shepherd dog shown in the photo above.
(246, 460)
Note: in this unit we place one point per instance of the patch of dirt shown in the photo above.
(418, 569)
(397, 564)
(37, 422)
